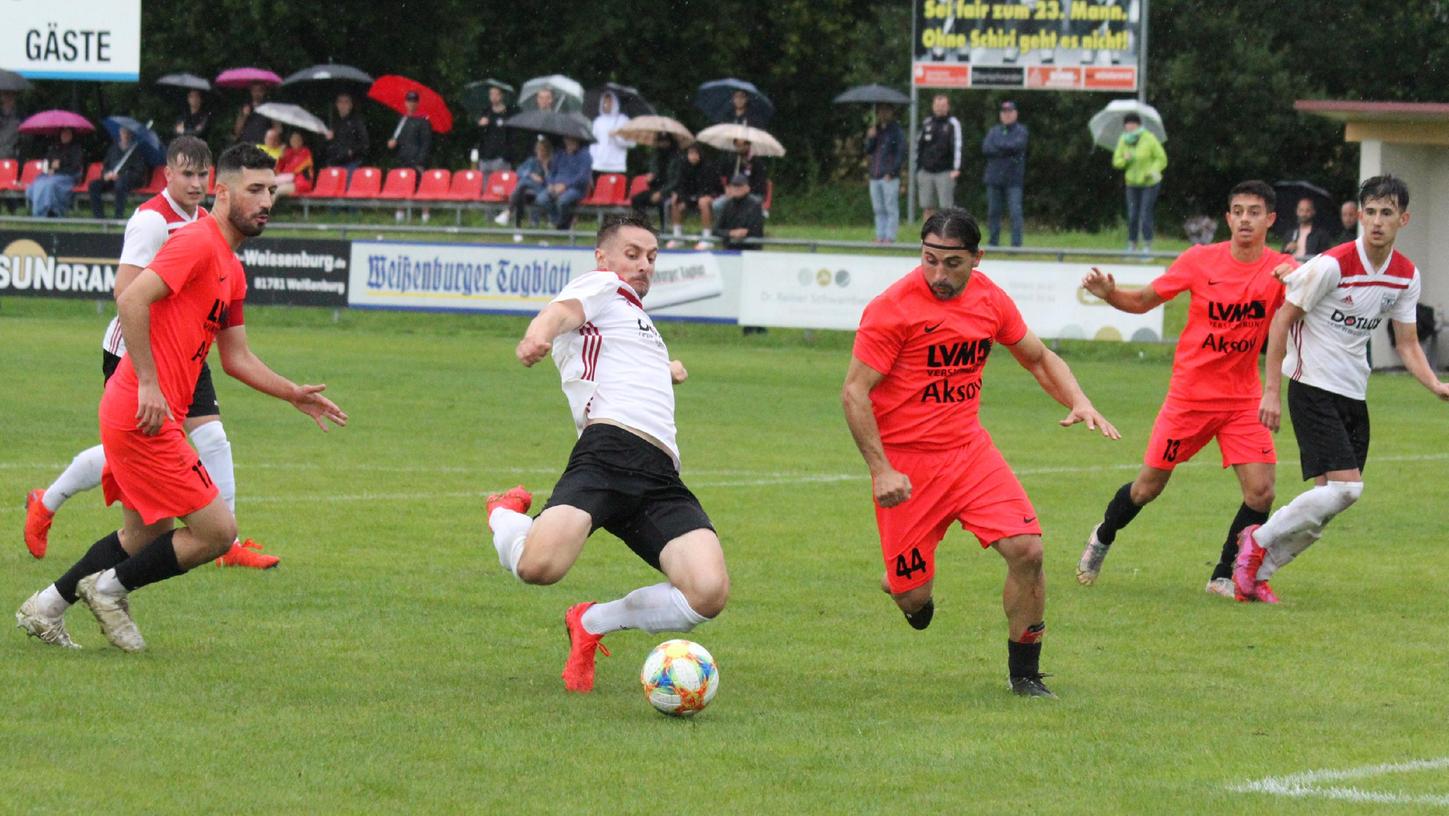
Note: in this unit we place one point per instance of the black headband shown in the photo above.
(972, 250)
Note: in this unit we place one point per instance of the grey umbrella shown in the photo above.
(11, 81)
(872, 95)
(189, 82)
(554, 123)
(330, 78)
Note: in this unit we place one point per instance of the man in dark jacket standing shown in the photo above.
(938, 158)
(347, 140)
(1005, 149)
(493, 138)
(885, 150)
(413, 137)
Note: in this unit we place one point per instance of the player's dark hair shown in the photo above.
(1254, 187)
(188, 151)
(954, 224)
(1385, 186)
(614, 223)
(240, 157)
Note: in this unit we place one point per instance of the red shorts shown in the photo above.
(157, 476)
(1180, 432)
(972, 485)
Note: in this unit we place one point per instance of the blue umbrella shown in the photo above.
(146, 142)
(714, 99)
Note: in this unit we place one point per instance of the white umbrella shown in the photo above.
(642, 129)
(291, 115)
(725, 136)
(1106, 124)
(568, 95)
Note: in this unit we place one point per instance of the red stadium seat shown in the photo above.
(400, 184)
(434, 185)
(9, 175)
(331, 183)
(366, 183)
(608, 191)
(93, 173)
(639, 184)
(500, 186)
(31, 172)
(467, 185)
(157, 182)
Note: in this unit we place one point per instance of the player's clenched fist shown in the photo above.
(891, 488)
(677, 372)
(530, 351)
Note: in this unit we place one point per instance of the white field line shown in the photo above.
(1310, 784)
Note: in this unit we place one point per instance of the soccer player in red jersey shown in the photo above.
(1214, 390)
(911, 399)
(190, 295)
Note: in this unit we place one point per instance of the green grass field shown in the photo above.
(389, 665)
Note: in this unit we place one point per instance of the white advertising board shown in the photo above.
(75, 39)
(818, 291)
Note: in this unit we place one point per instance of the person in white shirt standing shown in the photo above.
(623, 474)
(1319, 340)
(609, 152)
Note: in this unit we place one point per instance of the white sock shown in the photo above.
(510, 529)
(83, 473)
(1298, 524)
(109, 584)
(215, 451)
(657, 608)
(51, 602)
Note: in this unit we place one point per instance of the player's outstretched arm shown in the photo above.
(134, 308)
(1406, 342)
(238, 361)
(1135, 301)
(1056, 380)
(1270, 408)
(890, 486)
(555, 319)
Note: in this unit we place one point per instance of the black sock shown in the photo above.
(1120, 512)
(921, 618)
(1024, 659)
(156, 562)
(102, 555)
(1246, 517)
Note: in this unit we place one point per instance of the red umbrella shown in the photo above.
(245, 77)
(391, 90)
(51, 122)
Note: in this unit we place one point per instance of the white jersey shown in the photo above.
(149, 227)
(1345, 299)
(616, 366)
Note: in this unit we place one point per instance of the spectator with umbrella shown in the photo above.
(609, 153)
(1308, 237)
(194, 118)
(50, 194)
(568, 183)
(1140, 157)
(885, 149)
(749, 145)
(412, 139)
(734, 101)
(133, 151)
(1004, 147)
(251, 127)
(347, 138)
(492, 147)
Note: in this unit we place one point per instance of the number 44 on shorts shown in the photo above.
(905, 569)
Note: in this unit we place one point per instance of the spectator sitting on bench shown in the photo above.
(568, 183)
(740, 217)
(696, 188)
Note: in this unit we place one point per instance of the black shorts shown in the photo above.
(1332, 430)
(203, 398)
(630, 488)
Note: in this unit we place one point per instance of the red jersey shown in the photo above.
(931, 352)
(1232, 303)
(207, 290)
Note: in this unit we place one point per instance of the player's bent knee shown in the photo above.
(1022, 553)
(1346, 493)
(538, 572)
(912, 599)
(707, 596)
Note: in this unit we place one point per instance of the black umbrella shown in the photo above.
(329, 80)
(872, 95)
(628, 99)
(475, 97)
(554, 123)
(714, 99)
(11, 81)
(184, 81)
(1290, 193)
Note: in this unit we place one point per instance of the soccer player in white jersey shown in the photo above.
(1318, 340)
(188, 165)
(623, 474)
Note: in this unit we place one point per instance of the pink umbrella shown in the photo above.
(245, 77)
(51, 122)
